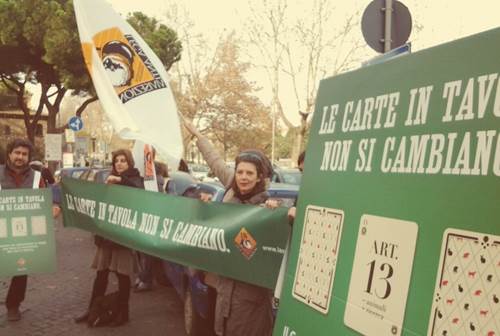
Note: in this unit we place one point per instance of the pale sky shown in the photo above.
(442, 20)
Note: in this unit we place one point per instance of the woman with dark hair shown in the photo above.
(110, 256)
(241, 309)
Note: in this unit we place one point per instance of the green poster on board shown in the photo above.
(27, 242)
(397, 230)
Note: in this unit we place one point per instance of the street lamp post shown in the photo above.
(107, 134)
(273, 134)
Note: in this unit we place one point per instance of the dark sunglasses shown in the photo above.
(249, 156)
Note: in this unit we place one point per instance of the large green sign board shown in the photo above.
(398, 225)
(26, 232)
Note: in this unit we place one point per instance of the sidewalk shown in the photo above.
(52, 300)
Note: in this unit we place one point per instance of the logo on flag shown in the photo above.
(245, 243)
(128, 67)
(130, 80)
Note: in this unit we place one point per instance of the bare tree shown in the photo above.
(301, 51)
(195, 64)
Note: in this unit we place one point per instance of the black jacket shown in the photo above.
(130, 178)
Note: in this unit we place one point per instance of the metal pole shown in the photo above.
(273, 135)
(388, 24)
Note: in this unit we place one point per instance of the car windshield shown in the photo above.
(292, 177)
(76, 173)
(199, 168)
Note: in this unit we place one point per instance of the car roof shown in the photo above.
(179, 181)
(284, 186)
(291, 170)
(72, 169)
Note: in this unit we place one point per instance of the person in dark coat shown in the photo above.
(110, 256)
(242, 309)
(17, 174)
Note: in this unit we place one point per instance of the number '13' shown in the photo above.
(383, 268)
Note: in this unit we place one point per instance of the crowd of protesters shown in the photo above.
(241, 309)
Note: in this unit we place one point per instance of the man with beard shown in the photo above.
(17, 174)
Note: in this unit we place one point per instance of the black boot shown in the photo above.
(98, 289)
(82, 318)
(121, 317)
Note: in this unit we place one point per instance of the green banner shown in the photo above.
(397, 229)
(26, 232)
(238, 241)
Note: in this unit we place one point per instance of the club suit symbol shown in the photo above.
(485, 243)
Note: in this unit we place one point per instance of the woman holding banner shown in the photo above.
(112, 257)
(241, 309)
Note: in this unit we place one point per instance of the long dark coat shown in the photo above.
(113, 256)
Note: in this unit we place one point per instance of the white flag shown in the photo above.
(130, 80)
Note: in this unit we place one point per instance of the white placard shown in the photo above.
(381, 276)
(68, 160)
(53, 147)
(69, 135)
(319, 248)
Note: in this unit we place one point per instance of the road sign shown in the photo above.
(75, 123)
(373, 24)
(399, 51)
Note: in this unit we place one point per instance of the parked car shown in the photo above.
(199, 171)
(73, 172)
(98, 175)
(178, 182)
(287, 175)
(199, 298)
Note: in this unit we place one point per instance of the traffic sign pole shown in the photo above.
(388, 25)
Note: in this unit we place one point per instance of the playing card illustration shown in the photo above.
(381, 275)
(318, 253)
(466, 298)
(3, 228)
(19, 227)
